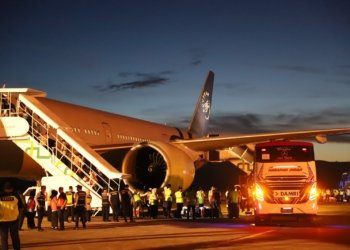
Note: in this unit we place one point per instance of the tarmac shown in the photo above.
(144, 233)
(161, 233)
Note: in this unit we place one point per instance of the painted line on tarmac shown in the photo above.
(253, 235)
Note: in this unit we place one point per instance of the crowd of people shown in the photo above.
(74, 206)
(334, 195)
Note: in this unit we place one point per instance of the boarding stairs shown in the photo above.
(241, 156)
(55, 147)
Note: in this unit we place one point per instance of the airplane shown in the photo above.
(147, 154)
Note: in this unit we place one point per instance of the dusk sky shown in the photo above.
(279, 65)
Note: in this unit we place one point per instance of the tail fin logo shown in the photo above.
(205, 103)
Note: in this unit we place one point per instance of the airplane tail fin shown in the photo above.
(200, 117)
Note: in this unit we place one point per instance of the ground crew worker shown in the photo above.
(115, 203)
(105, 205)
(137, 204)
(191, 203)
(88, 205)
(40, 200)
(79, 205)
(61, 207)
(200, 195)
(126, 202)
(233, 199)
(169, 200)
(9, 211)
(153, 202)
(70, 204)
(179, 199)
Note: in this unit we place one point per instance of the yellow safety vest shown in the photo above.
(179, 197)
(137, 197)
(153, 199)
(8, 208)
(69, 196)
(200, 196)
(167, 194)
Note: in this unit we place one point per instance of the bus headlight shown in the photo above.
(313, 192)
(259, 193)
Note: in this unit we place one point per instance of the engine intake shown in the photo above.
(155, 164)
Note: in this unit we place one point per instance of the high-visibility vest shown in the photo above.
(167, 194)
(200, 196)
(69, 196)
(153, 199)
(179, 197)
(233, 196)
(81, 198)
(105, 198)
(8, 208)
(137, 197)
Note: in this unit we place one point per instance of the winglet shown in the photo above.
(200, 117)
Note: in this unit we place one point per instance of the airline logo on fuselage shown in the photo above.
(205, 103)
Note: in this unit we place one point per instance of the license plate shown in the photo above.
(286, 193)
(286, 210)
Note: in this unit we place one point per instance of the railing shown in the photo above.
(57, 142)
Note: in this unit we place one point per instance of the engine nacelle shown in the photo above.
(156, 164)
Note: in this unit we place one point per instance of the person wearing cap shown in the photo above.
(9, 211)
(79, 205)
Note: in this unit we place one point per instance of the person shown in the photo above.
(88, 205)
(200, 195)
(79, 205)
(145, 202)
(137, 204)
(69, 212)
(9, 211)
(31, 210)
(168, 199)
(22, 211)
(153, 202)
(126, 202)
(61, 207)
(105, 204)
(179, 200)
(40, 200)
(54, 212)
(115, 203)
(233, 199)
(214, 199)
(191, 203)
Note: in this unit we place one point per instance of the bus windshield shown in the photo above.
(284, 153)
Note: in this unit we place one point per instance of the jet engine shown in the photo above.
(156, 164)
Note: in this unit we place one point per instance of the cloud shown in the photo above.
(301, 69)
(238, 123)
(145, 80)
(197, 55)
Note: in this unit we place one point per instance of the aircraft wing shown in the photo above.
(212, 143)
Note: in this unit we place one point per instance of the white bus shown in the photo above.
(284, 180)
